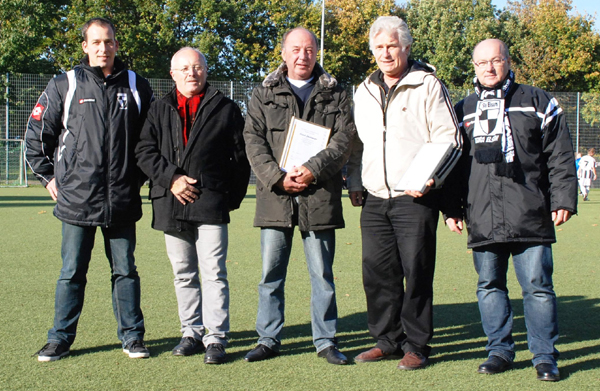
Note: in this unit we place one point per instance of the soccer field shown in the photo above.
(30, 263)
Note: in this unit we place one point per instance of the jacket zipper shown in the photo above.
(384, 111)
(107, 152)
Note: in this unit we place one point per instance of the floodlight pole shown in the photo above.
(322, 30)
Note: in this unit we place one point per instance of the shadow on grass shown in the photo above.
(27, 201)
(458, 335)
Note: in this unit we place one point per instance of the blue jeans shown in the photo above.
(533, 267)
(319, 249)
(77, 245)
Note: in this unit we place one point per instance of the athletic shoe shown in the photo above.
(136, 349)
(52, 352)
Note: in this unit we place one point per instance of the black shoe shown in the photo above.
(215, 354)
(493, 365)
(333, 356)
(547, 372)
(52, 352)
(136, 349)
(188, 346)
(259, 353)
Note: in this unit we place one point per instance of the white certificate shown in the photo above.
(304, 140)
(428, 160)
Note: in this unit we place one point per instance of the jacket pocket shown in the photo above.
(327, 115)
(277, 116)
(213, 183)
(157, 192)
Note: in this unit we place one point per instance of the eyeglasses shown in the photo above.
(189, 70)
(496, 62)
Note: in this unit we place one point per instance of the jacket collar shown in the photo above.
(171, 96)
(414, 76)
(277, 78)
(119, 67)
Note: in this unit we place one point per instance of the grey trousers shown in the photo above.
(203, 308)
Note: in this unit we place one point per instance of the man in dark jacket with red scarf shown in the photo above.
(192, 149)
(518, 172)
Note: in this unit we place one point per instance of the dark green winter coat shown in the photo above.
(269, 113)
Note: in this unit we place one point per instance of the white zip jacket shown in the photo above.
(392, 128)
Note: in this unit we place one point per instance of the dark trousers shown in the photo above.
(398, 246)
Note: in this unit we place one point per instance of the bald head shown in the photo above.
(188, 70)
(299, 52)
(493, 41)
(185, 52)
(492, 62)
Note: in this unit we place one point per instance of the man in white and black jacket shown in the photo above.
(398, 109)
(518, 182)
(80, 144)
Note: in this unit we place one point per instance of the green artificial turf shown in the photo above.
(30, 263)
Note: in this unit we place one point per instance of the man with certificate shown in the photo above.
(398, 109)
(298, 107)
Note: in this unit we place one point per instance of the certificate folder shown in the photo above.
(426, 162)
(304, 140)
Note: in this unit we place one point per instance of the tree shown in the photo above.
(552, 49)
(591, 110)
(27, 30)
(347, 24)
(446, 31)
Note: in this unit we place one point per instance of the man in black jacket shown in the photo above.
(519, 179)
(308, 196)
(192, 149)
(80, 144)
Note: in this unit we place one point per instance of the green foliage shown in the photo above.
(27, 33)
(591, 110)
(347, 24)
(241, 38)
(446, 31)
(552, 49)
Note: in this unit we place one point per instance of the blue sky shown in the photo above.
(591, 7)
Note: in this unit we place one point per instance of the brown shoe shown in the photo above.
(371, 355)
(412, 361)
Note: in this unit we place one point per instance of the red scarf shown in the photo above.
(188, 108)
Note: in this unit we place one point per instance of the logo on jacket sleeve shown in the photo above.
(122, 100)
(37, 112)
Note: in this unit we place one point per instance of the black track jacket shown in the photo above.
(501, 209)
(92, 157)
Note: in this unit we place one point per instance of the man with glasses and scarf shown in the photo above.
(518, 182)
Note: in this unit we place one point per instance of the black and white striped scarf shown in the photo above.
(492, 132)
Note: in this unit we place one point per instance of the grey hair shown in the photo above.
(391, 25)
(285, 35)
(193, 49)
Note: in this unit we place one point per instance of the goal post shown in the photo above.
(12, 163)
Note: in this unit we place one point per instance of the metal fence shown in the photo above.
(12, 163)
(582, 111)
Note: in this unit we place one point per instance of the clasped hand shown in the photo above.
(296, 180)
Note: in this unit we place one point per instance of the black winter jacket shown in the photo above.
(214, 155)
(93, 158)
(501, 209)
(269, 113)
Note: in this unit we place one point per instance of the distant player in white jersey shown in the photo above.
(587, 172)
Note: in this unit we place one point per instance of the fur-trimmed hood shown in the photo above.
(323, 78)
